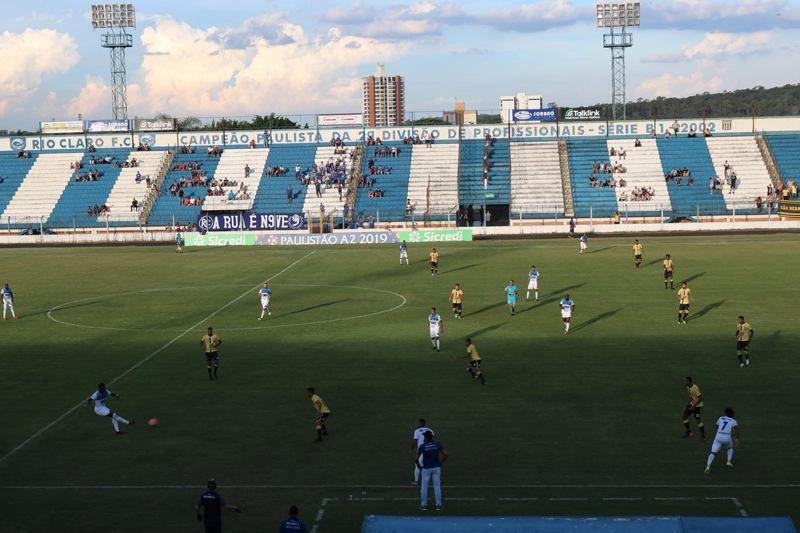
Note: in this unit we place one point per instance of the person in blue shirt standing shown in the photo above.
(213, 504)
(511, 293)
(427, 460)
(289, 193)
(584, 241)
(571, 228)
(178, 242)
(292, 524)
(403, 252)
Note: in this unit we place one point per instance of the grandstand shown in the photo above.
(785, 149)
(643, 164)
(390, 208)
(689, 201)
(271, 197)
(536, 180)
(752, 177)
(433, 180)
(472, 190)
(588, 200)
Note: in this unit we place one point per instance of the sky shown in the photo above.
(240, 58)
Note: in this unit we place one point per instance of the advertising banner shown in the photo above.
(271, 221)
(232, 239)
(155, 124)
(284, 239)
(532, 115)
(342, 119)
(106, 126)
(435, 235)
(69, 126)
(789, 208)
(582, 113)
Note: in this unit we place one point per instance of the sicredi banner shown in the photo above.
(69, 126)
(534, 115)
(582, 113)
(289, 239)
(435, 235)
(155, 124)
(105, 126)
(269, 221)
(342, 119)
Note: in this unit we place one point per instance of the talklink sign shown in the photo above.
(582, 113)
(155, 124)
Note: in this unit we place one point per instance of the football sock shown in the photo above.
(567, 326)
(416, 474)
(528, 295)
(433, 341)
(730, 455)
(324, 430)
(209, 369)
(710, 460)
(118, 418)
(116, 424)
(702, 429)
(459, 313)
(739, 354)
(665, 284)
(471, 372)
(216, 366)
(438, 344)
(262, 313)
(536, 294)
(671, 286)
(319, 431)
(685, 315)
(680, 316)
(686, 423)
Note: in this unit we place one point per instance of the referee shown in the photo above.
(213, 504)
(210, 343)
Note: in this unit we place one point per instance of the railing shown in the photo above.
(222, 203)
(355, 176)
(566, 178)
(155, 185)
(769, 159)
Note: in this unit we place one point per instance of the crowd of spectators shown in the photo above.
(187, 149)
(638, 194)
(143, 147)
(92, 175)
(108, 160)
(97, 210)
(22, 154)
(681, 176)
(276, 170)
(213, 151)
(385, 151)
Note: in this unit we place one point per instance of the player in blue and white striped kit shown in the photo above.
(265, 293)
(99, 399)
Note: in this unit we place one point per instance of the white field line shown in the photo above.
(143, 361)
(361, 487)
(621, 499)
(517, 499)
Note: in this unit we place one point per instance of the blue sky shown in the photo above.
(211, 58)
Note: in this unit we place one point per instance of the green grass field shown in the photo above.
(584, 424)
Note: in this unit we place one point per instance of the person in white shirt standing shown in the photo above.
(436, 327)
(725, 425)
(265, 293)
(99, 399)
(419, 440)
(8, 301)
(533, 284)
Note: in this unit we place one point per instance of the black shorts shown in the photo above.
(697, 412)
(668, 274)
(638, 257)
(322, 417)
(742, 345)
(476, 364)
(456, 306)
(212, 355)
(434, 264)
(213, 527)
(683, 307)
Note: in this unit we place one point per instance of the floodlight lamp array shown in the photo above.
(113, 16)
(618, 15)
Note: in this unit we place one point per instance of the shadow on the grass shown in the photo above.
(596, 319)
(326, 304)
(598, 250)
(691, 278)
(484, 330)
(707, 309)
(488, 307)
(462, 268)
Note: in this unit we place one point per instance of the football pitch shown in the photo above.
(585, 424)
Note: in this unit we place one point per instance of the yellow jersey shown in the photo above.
(668, 265)
(744, 332)
(684, 294)
(637, 249)
(210, 343)
(694, 395)
(473, 353)
(322, 407)
(456, 296)
(434, 257)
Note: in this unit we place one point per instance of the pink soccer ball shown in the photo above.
(153, 421)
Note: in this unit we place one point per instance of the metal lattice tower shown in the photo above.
(613, 16)
(115, 18)
(618, 42)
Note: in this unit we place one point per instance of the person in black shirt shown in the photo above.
(213, 504)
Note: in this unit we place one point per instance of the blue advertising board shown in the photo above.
(534, 115)
(270, 221)
(106, 126)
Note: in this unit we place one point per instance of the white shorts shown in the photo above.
(566, 314)
(583, 245)
(265, 302)
(403, 254)
(434, 332)
(533, 284)
(720, 441)
(102, 411)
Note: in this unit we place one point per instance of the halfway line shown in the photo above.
(137, 365)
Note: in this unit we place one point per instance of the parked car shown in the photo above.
(36, 231)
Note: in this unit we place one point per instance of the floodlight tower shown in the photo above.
(618, 16)
(115, 18)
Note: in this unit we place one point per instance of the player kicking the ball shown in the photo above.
(99, 399)
(265, 293)
(725, 425)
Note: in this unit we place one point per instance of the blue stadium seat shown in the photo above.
(470, 182)
(167, 207)
(271, 196)
(693, 154)
(390, 208)
(587, 200)
(786, 151)
(13, 171)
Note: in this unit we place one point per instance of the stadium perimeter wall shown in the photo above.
(135, 236)
(542, 130)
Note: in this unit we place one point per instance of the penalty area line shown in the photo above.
(362, 487)
(143, 361)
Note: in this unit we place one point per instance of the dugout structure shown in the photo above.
(319, 222)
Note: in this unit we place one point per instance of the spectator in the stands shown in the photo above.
(759, 204)
(623, 197)
(103, 209)
(706, 132)
(371, 194)
(676, 127)
(339, 190)
(134, 205)
(378, 193)
(637, 143)
(692, 131)
(96, 209)
(90, 148)
(622, 153)
(653, 133)
(252, 143)
(409, 207)
(247, 170)
(289, 193)
(321, 208)
(612, 152)
(89, 211)
(666, 134)
(690, 180)
(138, 176)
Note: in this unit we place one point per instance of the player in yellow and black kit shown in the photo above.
(322, 413)
(209, 343)
(637, 252)
(456, 296)
(434, 258)
(743, 336)
(474, 365)
(693, 407)
(684, 298)
(669, 270)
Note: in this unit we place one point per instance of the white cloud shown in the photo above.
(191, 71)
(716, 46)
(30, 57)
(94, 100)
(668, 85)
(536, 16)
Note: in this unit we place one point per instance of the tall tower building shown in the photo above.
(383, 99)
